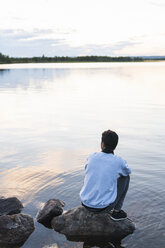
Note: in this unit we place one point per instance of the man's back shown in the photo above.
(100, 184)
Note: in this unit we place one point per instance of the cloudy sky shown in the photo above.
(86, 27)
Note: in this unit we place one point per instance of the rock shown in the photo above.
(81, 224)
(51, 209)
(10, 206)
(15, 229)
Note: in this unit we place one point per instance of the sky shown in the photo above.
(82, 27)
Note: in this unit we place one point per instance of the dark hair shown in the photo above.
(110, 139)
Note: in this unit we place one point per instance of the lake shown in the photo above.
(52, 117)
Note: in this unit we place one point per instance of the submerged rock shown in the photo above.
(51, 209)
(15, 229)
(81, 224)
(10, 206)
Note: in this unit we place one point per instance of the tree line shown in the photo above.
(43, 59)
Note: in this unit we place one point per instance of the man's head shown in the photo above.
(109, 140)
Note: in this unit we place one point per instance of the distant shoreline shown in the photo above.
(77, 62)
(80, 59)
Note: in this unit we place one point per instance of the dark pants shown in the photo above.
(122, 188)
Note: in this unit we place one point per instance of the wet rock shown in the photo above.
(51, 209)
(82, 224)
(10, 206)
(15, 229)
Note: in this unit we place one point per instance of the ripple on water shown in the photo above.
(35, 185)
(52, 109)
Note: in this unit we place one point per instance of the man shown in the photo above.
(106, 179)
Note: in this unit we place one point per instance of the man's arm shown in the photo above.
(125, 170)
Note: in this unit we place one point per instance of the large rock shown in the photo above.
(10, 206)
(15, 229)
(51, 209)
(81, 224)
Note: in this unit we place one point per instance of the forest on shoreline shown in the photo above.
(4, 59)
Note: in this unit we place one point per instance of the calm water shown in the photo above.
(52, 117)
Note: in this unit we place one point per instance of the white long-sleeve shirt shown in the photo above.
(100, 184)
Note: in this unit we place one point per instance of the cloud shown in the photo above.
(34, 33)
(103, 50)
(102, 27)
(30, 43)
(51, 42)
(158, 3)
(23, 34)
(28, 48)
(20, 43)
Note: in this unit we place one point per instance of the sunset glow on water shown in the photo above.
(52, 117)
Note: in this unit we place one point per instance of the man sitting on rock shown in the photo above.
(106, 179)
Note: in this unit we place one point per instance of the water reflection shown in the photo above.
(30, 78)
(51, 119)
(3, 71)
(84, 245)
(34, 185)
(91, 244)
(102, 245)
(96, 242)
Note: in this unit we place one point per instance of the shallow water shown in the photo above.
(52, 117)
